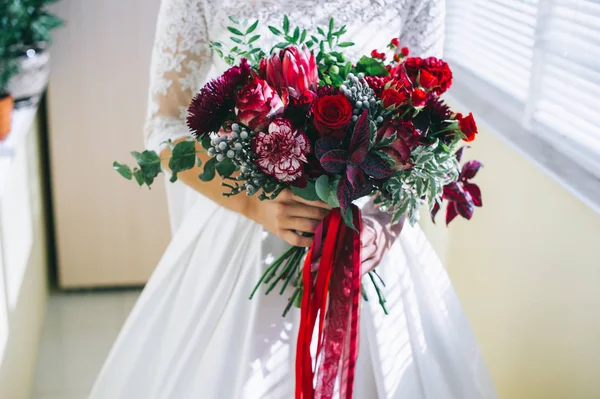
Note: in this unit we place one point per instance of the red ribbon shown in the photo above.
(334, 297)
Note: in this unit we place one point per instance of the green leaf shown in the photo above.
(225, 168)
(308, 193)
(347, 216)
(236, 40)
(123, 170)
(314, 39)
(336, 80)
(232, 19)
(322, 188)
(346, 44)
(205, 141)
(219, 52)
(209, 170)
(234, 31)
(303, 35)
(252, 27)
(286, 24)
(331, 22)
(296, 35)
(217, 44)
(371, 67)
(321, 31)
(149, 163)
(253, 39)
(139, 177)
(274, 30)
(183, 158)
(309, 43)
(333, 199)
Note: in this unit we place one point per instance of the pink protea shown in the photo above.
(282, 151)
(293, 69)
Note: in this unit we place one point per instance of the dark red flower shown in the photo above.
(282, 151)
(435, 67)
(395, 42)
(467, 126)
(438, 110)
(404, 51)
(257, 103)
(395, 95)
(390, 140)
(332, 115)
(418, 98)
(215, 102)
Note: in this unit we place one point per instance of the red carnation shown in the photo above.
(435, 67)
(331, 115)
(467, 126)
(282, 151)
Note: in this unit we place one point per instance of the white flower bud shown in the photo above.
(222, 146)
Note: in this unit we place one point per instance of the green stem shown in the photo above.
(291, 301)
(380, 295)
(280, 277)
(292, 271)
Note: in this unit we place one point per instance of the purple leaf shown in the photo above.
(334, 161)
(355, 176)
(361, 136)
(376, 167)
(401, 148)
(434, 211)
(325, 144)
(460, 151)
(475, 192)
(470, 169)
(359, 155)
(451, 212)
(465, 209)
(454, 192)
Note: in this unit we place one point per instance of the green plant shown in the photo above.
(9, 67)
(25, 23)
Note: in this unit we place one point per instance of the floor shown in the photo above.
(79, 330)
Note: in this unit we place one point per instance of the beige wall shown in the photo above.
(17, 369)
(527, 270)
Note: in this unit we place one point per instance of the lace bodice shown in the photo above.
(182, 60)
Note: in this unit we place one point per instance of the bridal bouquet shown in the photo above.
(304, 117)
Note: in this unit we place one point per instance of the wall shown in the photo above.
(17, 369)
(527, 270)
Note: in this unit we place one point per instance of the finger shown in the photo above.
(295, 239)
(306, 211)
(285, 196)
(318, 204)
(300, 224)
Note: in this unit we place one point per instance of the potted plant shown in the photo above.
(8, 68)
(26, 26)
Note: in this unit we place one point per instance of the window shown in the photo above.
(538, 62)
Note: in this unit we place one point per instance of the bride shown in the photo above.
(193, 332)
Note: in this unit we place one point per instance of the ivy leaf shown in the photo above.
(371, 67)
(274, 30)
(253, 39)
(234, 31)
(149, 163)
(286, 24)
(183, 158)
(252, 27)
(308, 192)
(123, 170)
(209, 170)
(346, 44)
(225, 168)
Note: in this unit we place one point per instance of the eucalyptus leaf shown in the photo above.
(308, 192)
(149, 163)
(183, 158)
(209, 170)
(322, 188)
(123, 170)
(225, 168)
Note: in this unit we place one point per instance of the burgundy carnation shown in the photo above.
(215, 102)
(282, 151)
(257, 103)
(432, 73)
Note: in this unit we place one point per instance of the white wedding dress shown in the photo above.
(193, 332)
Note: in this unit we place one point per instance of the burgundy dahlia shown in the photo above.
(215, 102)
(282, 151)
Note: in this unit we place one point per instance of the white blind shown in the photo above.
(544, 54)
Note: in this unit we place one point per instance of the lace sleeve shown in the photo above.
(423, 28)
(180, 63)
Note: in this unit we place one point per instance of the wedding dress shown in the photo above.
(193, 332)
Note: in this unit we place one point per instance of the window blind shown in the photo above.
(544, 54)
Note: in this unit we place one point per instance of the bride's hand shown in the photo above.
(377, 237)
(287, 215)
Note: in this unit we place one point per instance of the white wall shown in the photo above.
(527, 270)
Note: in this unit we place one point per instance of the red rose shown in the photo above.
(467, 126)
(257, 103)
(394, 97)
(332, 115)
(418, 98)
(434, 66)
(427, 80)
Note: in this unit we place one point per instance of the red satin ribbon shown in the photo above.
(334, 297)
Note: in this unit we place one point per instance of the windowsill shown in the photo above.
(494, 114)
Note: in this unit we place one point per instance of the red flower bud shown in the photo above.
(404, 51)
(375, 53)
(395, 42)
